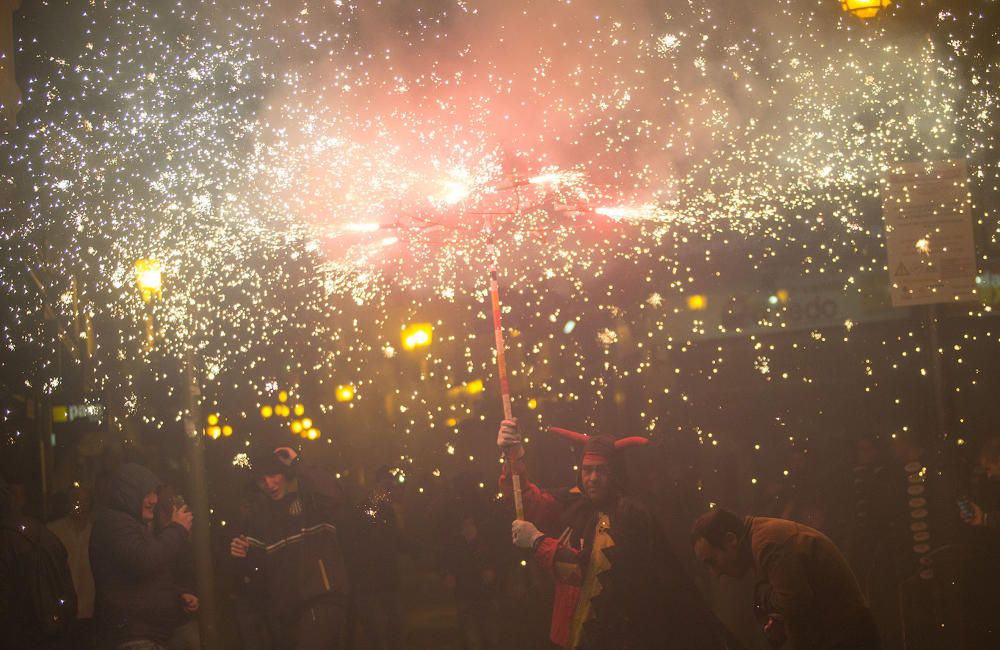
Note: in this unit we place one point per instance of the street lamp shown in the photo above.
(149, 278)
(345, 393)
(418, 335)
(697, 302)
(864, 9)
(150, 281)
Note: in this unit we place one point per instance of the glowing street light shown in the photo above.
(864, 9)
(697, 302)
(345, 393)
(149, 278)
(418, 335)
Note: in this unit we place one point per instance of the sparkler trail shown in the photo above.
(298, 168)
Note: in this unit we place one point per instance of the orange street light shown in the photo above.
(864, 9)
(418, 335)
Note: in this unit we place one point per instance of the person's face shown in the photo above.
(149, 506)
(991, 467)
(722, 561)
(275, 485)
(596, 479)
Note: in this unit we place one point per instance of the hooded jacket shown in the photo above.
(136, 597)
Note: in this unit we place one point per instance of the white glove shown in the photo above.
(509, 440)
(524, 534)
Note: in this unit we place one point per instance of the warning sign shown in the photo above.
(928, 233)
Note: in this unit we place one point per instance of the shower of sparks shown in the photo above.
(312, 175)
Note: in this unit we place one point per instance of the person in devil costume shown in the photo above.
(618, 586)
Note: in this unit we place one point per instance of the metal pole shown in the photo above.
(44, 426)
(201, 532)
(937, 373)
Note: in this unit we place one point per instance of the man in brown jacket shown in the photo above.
(806, 593)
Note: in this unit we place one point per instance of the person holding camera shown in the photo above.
(137, 601)
(293, 539)
(186, 634)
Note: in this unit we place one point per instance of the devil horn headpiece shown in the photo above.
(577, 437)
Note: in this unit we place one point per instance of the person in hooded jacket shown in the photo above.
(137, 601)
(294, 540)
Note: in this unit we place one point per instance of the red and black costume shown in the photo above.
(618, 586)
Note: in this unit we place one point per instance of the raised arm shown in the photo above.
(540, 506)
(320, 481)
(135, 547)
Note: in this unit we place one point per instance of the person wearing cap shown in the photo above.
(137, 603)
(293, 539)
(806, 593)
(617, 583)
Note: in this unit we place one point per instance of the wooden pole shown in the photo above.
(504, 385)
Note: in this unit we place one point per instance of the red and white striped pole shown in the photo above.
(504, 385)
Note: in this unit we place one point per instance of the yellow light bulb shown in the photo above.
(417, 335)
(697, 302)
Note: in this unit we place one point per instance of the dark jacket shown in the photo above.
(133, 569)
(804, 577)
(296, 544)
(19, 627)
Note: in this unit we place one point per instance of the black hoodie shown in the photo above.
(136, 596)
